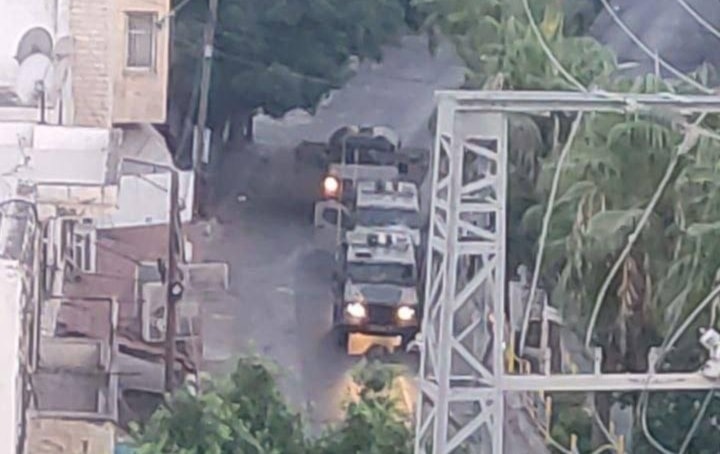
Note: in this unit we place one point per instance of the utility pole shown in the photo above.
(173, 286)
(205, 78)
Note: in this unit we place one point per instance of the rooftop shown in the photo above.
(388, 194)
(378, 245)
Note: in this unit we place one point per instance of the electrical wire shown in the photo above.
(663, 63)
(688, 143)
(548, 52)
(669, 342)
(697, 131)
(546, 226)
(701, 20)
(696, 422)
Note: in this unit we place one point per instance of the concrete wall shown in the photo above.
(143, 201)
(46, 137)
(140, 95)
(56, 436)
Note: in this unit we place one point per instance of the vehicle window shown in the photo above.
(330, 215)
(383, 217)
(382, 273)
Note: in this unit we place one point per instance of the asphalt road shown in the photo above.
(280, 282)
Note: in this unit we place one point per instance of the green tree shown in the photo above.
(375, 423)
(247, 414)
(244, 413)
(613, 169)
(278, 55)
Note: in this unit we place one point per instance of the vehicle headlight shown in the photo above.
(356, 310)
(405, 313)
(331, 185)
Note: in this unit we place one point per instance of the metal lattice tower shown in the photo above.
(462, 376)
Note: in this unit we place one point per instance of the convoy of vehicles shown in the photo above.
(369, 214)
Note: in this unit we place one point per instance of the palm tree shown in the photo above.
(611, 174)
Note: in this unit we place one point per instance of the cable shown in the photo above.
(707, 25)
(694, 129)
(269, 68)
(173, 12)
(696, 422)
(663, 63)
(548, 52)
(546, 227)
(688, 142)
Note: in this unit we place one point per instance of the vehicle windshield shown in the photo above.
(381, 273)
(383, 217)
(363, 156)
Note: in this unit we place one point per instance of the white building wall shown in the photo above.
(11, 333)
(143, 201)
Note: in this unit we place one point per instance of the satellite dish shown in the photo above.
(63, 47)
(58, 75)
(36, 69)
(35, 41)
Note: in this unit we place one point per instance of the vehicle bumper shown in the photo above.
(405, 331)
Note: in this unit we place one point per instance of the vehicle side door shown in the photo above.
(331, 220)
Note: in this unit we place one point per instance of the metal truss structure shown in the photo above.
(463, 380)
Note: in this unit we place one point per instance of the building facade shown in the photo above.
(84, 62)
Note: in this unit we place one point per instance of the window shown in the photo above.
(141, 40)
(82, 249)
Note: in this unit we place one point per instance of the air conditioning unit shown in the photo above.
(154, 319)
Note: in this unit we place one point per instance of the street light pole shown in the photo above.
(173, 285)
(172, 292)
(205, 79)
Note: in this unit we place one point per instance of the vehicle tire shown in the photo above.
(341, 337)
(405, 339)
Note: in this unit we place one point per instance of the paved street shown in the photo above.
(281, 305)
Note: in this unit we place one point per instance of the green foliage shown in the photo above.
(375, 423)
(246, 414)
(612, 171)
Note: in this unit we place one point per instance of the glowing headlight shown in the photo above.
(405, 313)
(356, 310)
(331, 186)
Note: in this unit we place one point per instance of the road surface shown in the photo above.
(280, 283)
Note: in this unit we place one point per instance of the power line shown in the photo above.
(653, 55)
(697, 131)
(173, 12)
(701, 20)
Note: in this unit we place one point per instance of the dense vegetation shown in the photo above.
(246, 414)
(614, 167)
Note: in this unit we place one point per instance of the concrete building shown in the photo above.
(84, 416)
(19, 293)
(81, 82)
(84, 62)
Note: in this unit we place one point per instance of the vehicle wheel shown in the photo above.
(341, 337)
(405, 339)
